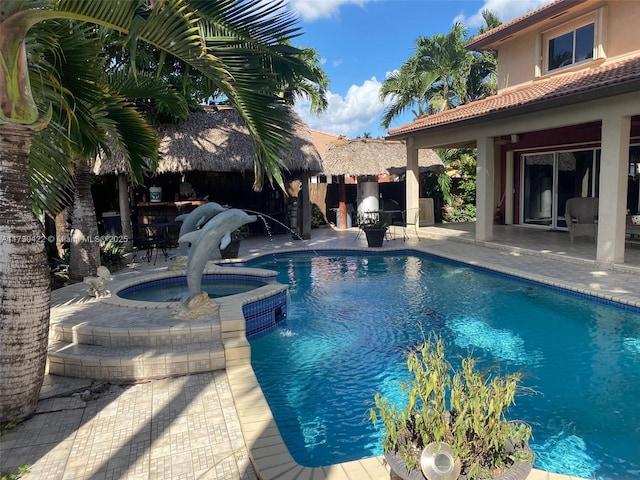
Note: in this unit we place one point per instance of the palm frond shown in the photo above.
(144, 87)
(133, 135)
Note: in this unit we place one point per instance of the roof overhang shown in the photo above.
(489, 39)
(583, 90)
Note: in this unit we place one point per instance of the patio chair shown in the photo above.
(150, 237)
(581, 215)
(410, 218)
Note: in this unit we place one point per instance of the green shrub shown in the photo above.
(464, 408)
(317, 218)
(112, 254)
(460, 213)
(15, 476)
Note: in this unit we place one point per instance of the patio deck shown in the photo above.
(211, 425)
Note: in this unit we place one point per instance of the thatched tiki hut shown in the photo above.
(211, 156)
(372, 161)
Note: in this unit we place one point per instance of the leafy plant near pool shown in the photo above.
(464, 408)
(111, 254)
(15, 476)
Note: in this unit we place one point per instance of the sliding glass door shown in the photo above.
(550, 179)
(538, 189)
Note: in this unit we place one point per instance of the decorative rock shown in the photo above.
(197, 307)
(97, 284)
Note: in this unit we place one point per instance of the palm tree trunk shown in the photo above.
(125, 211)
(62, 230)
(84, 250)
(24, 281)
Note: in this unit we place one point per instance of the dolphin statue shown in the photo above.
(215, 234)
(195, 219)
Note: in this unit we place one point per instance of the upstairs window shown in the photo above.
(572, 47)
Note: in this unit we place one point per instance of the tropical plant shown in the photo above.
(464, 408)
(107, 120)
(111, 254)
(407, 88)
(375, 221)
(459, 192)
(457, 213)
(233, 43)
(440, 74)
(317, 217)
(22, 471)
(313, 88)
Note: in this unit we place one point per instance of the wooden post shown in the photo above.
(304, 203)
(342, 204)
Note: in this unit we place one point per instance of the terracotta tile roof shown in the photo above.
(504, 30)
(609, 79)
(322, 139)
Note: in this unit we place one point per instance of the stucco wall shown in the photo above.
(522, 58)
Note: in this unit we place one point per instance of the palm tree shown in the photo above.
(444, 57)
(440, 74)
(112, 120)
(315, 90)
(407, 88)
(233, 43)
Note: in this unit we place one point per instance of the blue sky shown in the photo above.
(362, 41)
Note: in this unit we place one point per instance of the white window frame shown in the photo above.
(594, 18)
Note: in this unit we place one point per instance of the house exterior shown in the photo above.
(565, 121)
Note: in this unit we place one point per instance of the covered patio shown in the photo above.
(526, 241)
(549, 134)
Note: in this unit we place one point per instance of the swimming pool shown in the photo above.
(352, 315)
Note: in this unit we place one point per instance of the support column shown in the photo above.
(614, 168)
(485, 184)
(412, 178)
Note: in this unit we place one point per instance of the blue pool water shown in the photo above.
(351, 317)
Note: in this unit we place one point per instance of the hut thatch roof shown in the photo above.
(365, 156)
(217, 140)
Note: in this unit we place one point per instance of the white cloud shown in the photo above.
(358, 111)
(310, 10)
(506, 10)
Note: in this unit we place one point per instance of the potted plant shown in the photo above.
(453, 424)
(374, 225)
(232, 250)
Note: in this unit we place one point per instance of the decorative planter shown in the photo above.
(375, 236)
(518, 471)
(232, 250)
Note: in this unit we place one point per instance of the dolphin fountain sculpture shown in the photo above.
(216, 233)
(195, 219)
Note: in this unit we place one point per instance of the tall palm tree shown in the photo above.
(440, 74)
(445, 57)
(113, 120)
(407, 89)
(234, 43)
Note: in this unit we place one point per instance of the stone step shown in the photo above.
(149, 335)
(133, 363)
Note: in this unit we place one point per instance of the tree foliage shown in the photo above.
(440, 74)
